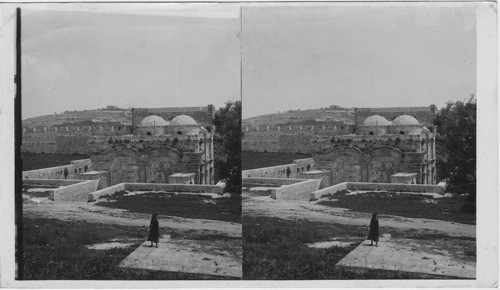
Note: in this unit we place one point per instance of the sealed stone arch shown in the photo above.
(343, 162)
(382, 162)
(160, 163)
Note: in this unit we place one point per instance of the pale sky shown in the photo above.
(295, 56)
(79, 57)
(298, 57)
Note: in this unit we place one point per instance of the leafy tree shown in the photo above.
(456, 146)
(227, 146)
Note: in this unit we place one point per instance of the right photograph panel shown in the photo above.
(359, 141)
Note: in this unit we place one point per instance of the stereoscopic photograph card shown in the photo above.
(249, 144)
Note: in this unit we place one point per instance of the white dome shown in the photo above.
(405, 120)
(375, 120)
(153, 120)
(417, 131)
(183, 120)
(193, 132)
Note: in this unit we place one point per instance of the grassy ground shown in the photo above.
(251, 160)
(405, 205)
(276, 249)
(55, 250)
(33, 161)
(181, 205)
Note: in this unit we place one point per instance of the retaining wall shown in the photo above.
(76, 166)
(296, 191)
(74, 192)
(50, 182)
(93, 196)
(167, 187)
(377, 186)
(174, 187)
(396, 187)
(281, 171)
(270, 181)
(328, 190)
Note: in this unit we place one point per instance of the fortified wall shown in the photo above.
(291, 139)
(425, 115)
(204, 116)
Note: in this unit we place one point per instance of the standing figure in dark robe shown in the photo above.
(374, 232)
(154, 230)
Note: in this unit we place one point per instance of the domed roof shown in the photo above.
(153, 120)
(416, 131)
(183, 120)
(193, 132)
(405, 120)
(375, 120)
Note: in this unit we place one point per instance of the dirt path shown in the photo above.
(89, 212)
(311, 211)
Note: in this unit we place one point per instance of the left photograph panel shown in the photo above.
(130, 143)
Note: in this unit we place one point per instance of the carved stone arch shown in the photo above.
(160, 163)
(122, 164)
(343, 162)
(382, 162)
(383, 151)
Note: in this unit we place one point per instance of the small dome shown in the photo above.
(193, 132)
(375, 120)
(203, 130)
(153, 120)
(405, 120)
(417, 131)
(183, 120)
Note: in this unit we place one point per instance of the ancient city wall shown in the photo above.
(74, 192)
(296, 191)
(260, 145)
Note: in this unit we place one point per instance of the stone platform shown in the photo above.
(428, 257)
(218, 258)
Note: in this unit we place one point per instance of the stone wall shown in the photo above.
(377, 187)
(60, 172)
(154, 187)
(72, 144)
(328, 190)
(396, 187)
(168, 187)
(281, 171)
(50, 182)
(251, 181)
(74, 192)
(93, 196)
(296, 191)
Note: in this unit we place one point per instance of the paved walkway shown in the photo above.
(218, 258)
(428, 257)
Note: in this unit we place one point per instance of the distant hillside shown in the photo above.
(87, 117)
(304, 117)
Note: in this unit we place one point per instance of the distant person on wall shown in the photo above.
(154, 230)
(374, 232)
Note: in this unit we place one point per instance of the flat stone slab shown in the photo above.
(218, 258)
(418, 256)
